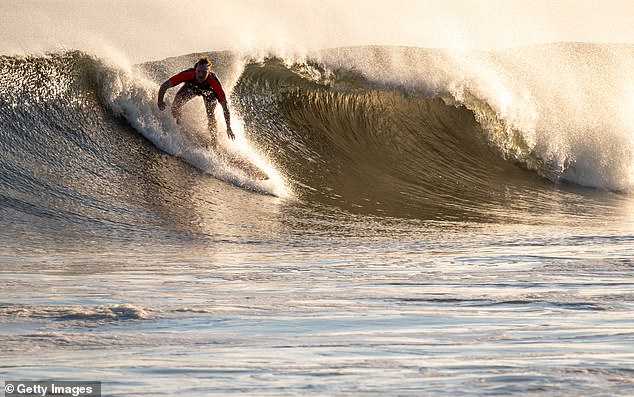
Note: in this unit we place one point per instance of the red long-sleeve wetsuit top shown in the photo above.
(211, 85)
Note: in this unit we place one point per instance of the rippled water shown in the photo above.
(449, 310)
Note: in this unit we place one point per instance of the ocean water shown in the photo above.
(435, 222)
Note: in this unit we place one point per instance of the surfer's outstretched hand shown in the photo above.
(230, 133)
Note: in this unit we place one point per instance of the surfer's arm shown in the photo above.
(161, 94)
(173, 82)
(225, 110)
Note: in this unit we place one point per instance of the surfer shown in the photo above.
(199, 80)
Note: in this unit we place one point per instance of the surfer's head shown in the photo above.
(203, 67)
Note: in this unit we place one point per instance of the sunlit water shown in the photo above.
(398, 308)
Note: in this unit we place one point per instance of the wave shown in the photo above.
(562, 110)
(385, 130)
(430, 133)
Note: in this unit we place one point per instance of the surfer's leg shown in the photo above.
(210, 107)
(182, 96)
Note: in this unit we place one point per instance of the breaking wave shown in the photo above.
(387, 130)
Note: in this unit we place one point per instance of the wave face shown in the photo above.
(441, 135)
(388, 131)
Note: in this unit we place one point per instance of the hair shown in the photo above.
(203, 61)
